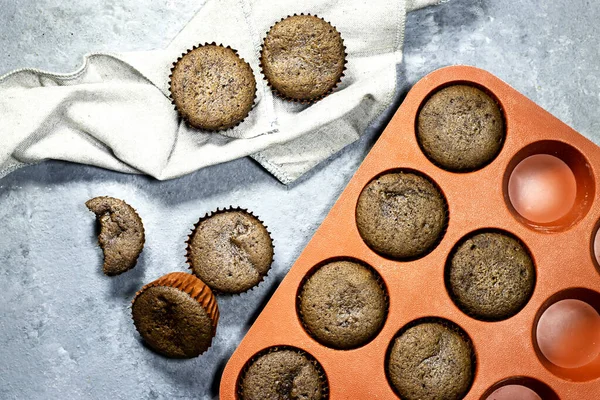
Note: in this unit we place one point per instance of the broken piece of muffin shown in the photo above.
(121, 233)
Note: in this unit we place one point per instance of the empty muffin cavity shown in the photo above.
(566, 334)
(342, 303)
(595, 248)
(549, 186)
(520, 388)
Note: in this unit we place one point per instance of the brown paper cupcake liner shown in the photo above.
(302, 101)
(273, 349)
(222, 211)
(313, 270)
(143, 237)
(173, 100)
(193, 286)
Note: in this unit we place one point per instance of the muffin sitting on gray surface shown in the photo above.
(121, 233)
(230, 250)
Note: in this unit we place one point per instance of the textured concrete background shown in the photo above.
(65, 329)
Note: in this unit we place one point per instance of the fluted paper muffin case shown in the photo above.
(302, 101)
(194, 287)
(173, 100)
(223, 211)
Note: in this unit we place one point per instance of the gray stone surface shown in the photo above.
(65, 329)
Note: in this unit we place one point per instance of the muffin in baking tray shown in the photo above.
(401, 215)
(343, 304)
(461, 128)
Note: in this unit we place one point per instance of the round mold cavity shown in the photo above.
(316, 268)
(272, 349)
(451, 292)
(442, 233)
(595, 246)
(442, 321)
(566, 334)
(549, 186)
(476, 86)
(520, 388)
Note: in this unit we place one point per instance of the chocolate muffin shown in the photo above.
(212, 87)
(176, 315)
(230, 250)
(121, 233)
(303, 58)
(460, 128)
(490, 276)
(431, 361)
(343, 304)
(283, 374)
(401, 215)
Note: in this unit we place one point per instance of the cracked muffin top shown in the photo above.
(283, 374)
(490, 276)
(177, 315)
(231, 251)
(461, 128)
(401, 215)
(431, 361)
(343, 304)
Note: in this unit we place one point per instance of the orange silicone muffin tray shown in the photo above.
(506, 351)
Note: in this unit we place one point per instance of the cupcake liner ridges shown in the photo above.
(173, 100)
(273, 349)
(222, 211)
(193, 286)
(302, 101)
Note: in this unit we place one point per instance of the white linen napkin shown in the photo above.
(114, 112)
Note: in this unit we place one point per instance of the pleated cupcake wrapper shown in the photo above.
(223, 211)
(302, 101)
(193, 286)
(143, 234)
(273, 349)
(375, 274)
(173, 100)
